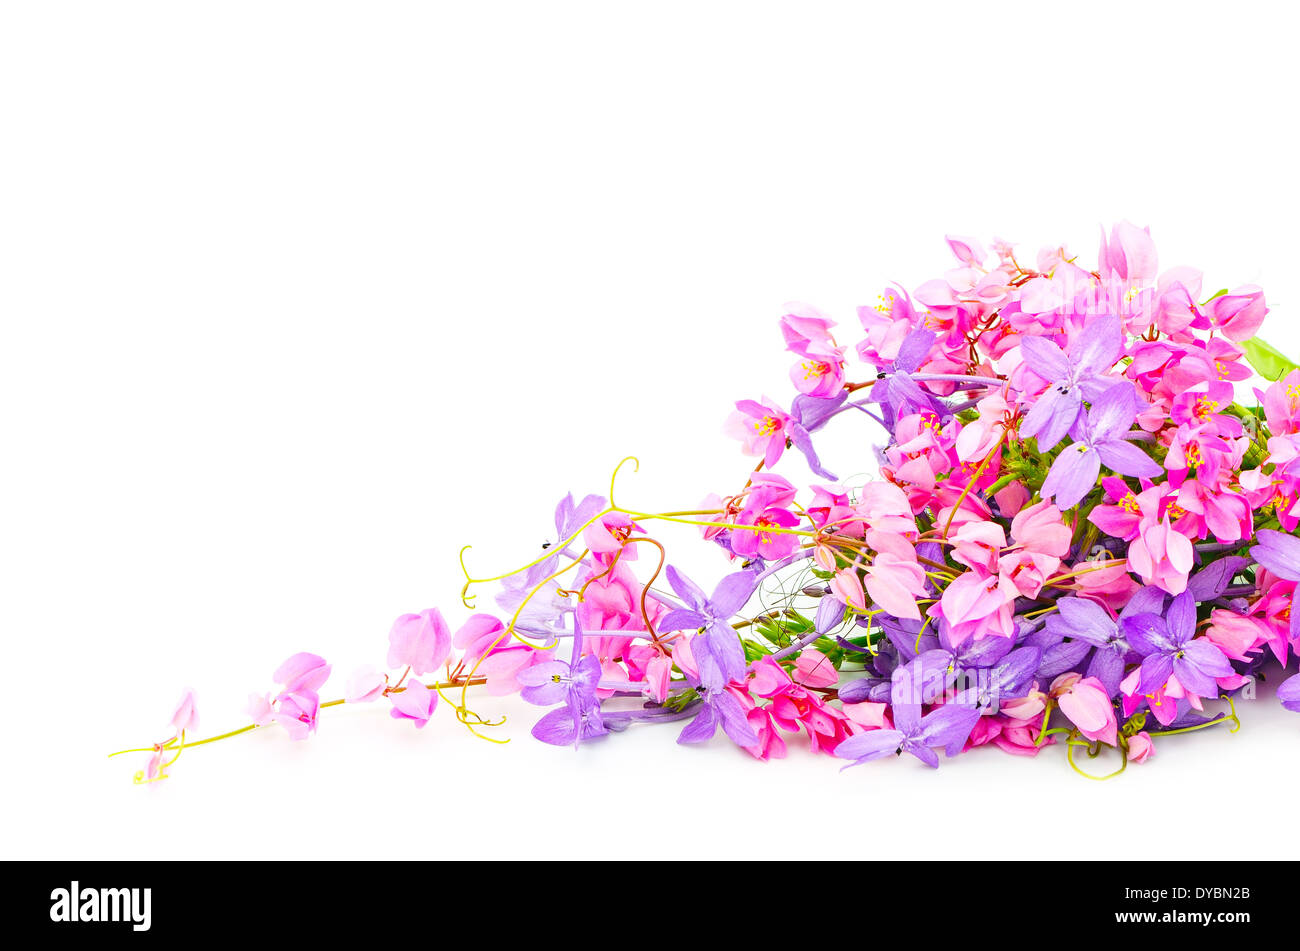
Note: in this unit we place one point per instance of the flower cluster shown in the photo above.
(1079, 534)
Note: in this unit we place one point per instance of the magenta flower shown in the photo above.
(765, 510)
(419, 641)
(608, 535)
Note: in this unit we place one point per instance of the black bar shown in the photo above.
(1222, 901)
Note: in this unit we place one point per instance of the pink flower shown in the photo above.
(981, 436)
(154, 768)
(297, 713)
(846, 587)
(1011, 499)
(415, 702)
(1281, 402)
(1130, 254)
(1042, 539)
(886, 326)
(1122, 518)
(967, 250)
(494, 654)
(806, 329)
(819, 376)
(613, 602)
(894, 579)
(884, 506)
(830, 507)
(1020, 737)
(302, 672)
(978, 544)
(1028, 707)
(770, 745)
(419, 641)
(1161, 556)
(1110, 584)
(1140, 747)
(814, 669)
(761, 428)
(365, 684)
(657, 673)
(1240, 313)
(1085, 702)
(767, 679)
(975, 605)
(609, 534)
(1163, 703)
(1040, 528)
(767, 536)
(260, 708)
(186, 717)
(868, 715)
(807, 334)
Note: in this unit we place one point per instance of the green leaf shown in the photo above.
(1268, 361)
(677, 702)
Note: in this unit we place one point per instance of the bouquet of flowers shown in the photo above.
(1078, 537)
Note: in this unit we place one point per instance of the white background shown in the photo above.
(298, 299)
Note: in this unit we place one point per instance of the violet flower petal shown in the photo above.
(1279, 553)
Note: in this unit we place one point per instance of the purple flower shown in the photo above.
(1074, 375)
(1168, 647)
(1212, 580)
(719, 708)
(988, 668)
(1009, 678)
(1099, 438)
(1279, 553)
(570, 516)
(1289, 693)
(807, 415)
(897, 393)
(947, 726)
(573, 684)
(1088, 621)
(723, 659)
